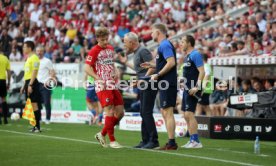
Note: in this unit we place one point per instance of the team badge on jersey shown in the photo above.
(36, 64)
(89, 58)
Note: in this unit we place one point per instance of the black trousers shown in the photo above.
(148, 128)
(46, 99)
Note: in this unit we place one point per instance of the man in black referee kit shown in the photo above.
(31, 84)
(147, 96)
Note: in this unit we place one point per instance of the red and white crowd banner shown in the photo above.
(133, 123)
(243, 60)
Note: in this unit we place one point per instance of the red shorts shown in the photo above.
(110, 97)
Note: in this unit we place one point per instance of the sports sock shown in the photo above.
(109, 124)
(37, 118)
(5, 110)
(194, 137)
(93, 112)
(100, 117)
(171, 142)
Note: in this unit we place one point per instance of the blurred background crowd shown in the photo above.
(66, 28)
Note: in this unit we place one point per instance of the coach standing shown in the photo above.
(148, 95)
(193, 74)
(46, 73)
(166, 72)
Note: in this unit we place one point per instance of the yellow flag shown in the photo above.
(28, 112)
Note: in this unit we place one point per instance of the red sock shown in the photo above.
(104, 130)
(115, 120)
(109, 128)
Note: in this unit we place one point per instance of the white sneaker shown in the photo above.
(184, 146)
(47, 122)
(101, 139)
(193, 144)
(115, 145)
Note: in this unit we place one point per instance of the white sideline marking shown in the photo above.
(232, 151)
(252, 142)
(148, 150)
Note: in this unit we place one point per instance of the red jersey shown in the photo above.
(102, 62)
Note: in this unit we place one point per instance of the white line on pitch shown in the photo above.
(148, 150)
(239, 152)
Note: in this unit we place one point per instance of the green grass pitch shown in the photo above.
(74, 145)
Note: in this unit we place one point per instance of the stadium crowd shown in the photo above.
(67, 27)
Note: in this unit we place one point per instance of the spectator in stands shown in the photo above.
(71, 32)
(15, 55)
(116, 41)
(258, 48)
(241, 50)
(246, 87)
(48, 52)
(269, 84)
(251, 37)
(261, 22)
(258, 87)
(254, 28)
(5, 41)
(254, 79)
(75, 51)
(219, 99)
(70, 18)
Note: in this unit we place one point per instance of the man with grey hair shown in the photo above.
(46, 76)
(147, 95)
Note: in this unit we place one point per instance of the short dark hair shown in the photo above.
(30, 44)
(246, 82)
(190, 39)
(205, 57)
(234, 46)
(229, 35)
(270, 81)
(240, 42)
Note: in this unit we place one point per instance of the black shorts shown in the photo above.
(35, 96)
(205, 99)
(3, 88)
(188, 102)
(168, 97)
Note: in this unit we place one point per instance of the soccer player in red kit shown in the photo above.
(100, 65)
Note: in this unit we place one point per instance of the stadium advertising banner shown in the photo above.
(132, 122)
(68, 106)
(242, 128)
(68, 100)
